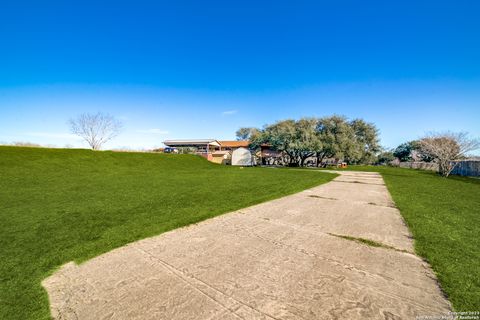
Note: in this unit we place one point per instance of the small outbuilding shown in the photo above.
(242, 157)
(222, 157)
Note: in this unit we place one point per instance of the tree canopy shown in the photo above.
(448, 147)
(246, 133)
(412, 151)
(354, 141)
(95, 129)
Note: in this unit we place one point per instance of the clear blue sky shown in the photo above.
(202, 69)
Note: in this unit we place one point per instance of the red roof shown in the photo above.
(234, 144)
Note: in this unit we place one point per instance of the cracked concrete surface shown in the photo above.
(275, 260)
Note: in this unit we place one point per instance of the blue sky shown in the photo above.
(202, 69)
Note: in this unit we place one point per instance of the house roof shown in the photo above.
(191, 142)
(234, 143)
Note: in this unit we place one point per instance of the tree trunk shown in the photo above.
(445, 167)
(320, 158)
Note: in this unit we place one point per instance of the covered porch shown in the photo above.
(203, 147)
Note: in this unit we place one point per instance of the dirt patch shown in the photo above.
(375, 204)
(369, 242)
(320, 197)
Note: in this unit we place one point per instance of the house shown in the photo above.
(211, 149)
(233, 152)
(220, 151)
(231, 145)
(203, 147)
(265, 155)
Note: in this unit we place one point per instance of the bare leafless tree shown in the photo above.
(96, 129)
(447, 148)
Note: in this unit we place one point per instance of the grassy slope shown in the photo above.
(61, 205)
(444, 217)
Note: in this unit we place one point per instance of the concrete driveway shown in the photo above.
(283, 259)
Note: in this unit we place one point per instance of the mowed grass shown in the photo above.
(59, 205)
(443, 215)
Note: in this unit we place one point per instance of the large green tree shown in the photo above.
(385, 157)
(336, 138)
(246, 133)
(412, 150)
(307, 142)
(403, 152)
(281, 136)
(323, 138)
(366, 144)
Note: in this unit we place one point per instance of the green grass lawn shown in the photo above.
(59, 205)
(444, 217)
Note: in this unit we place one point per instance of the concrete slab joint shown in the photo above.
(336, 251)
